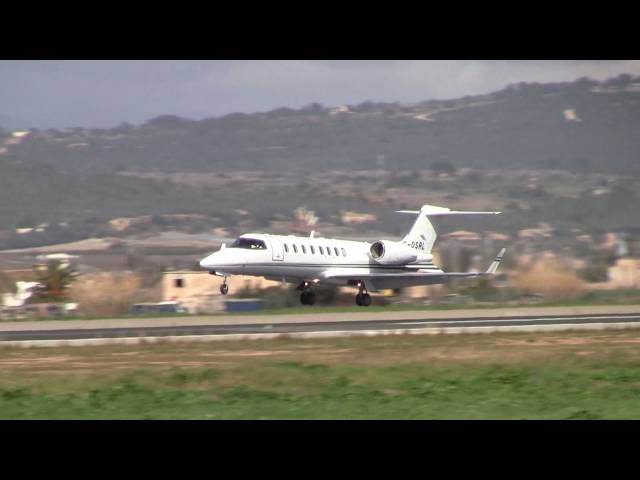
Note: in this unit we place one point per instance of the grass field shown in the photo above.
(575, 375)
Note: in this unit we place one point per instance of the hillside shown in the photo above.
(561, 154)
(582, 126)
(71, 206)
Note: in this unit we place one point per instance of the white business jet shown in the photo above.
(308, 261)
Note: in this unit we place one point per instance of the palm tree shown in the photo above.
(55, 278)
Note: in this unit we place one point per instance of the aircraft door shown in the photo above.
(276, 247)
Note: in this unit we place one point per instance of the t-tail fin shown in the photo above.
(422, 229)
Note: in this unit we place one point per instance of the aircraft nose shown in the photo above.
(209, 261)
(222, 259)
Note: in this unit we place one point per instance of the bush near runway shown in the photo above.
(571, 375)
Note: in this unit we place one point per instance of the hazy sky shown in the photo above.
(105, 93)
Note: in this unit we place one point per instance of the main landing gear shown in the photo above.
(308, 296)
(224, 288)
(363, 299)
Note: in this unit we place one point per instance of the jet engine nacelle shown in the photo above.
(386, 252)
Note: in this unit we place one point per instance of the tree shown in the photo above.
(443, 167)
(312, 108)
(594, 273)
(55, 278)
(620, 81)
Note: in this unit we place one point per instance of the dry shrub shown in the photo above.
(105, 293)
(549, 281)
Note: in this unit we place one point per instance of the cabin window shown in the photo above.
(295, 249)
(328, 250)
(335, 249)
(248, 243)
(321, 250)
(286, 248)
(313, 250)
(304, 250)
(179, 282)
(344, 253)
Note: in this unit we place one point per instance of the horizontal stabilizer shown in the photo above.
(432, 210)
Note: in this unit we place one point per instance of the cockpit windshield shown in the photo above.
(248, 243)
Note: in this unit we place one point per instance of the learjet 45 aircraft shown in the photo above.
(308, 261)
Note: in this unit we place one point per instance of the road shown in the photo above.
(407, 322)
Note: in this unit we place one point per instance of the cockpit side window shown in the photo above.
(249, 244)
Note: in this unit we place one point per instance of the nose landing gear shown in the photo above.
(224, 288)
(363, 299)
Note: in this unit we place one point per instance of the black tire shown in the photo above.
(359, 299)
(311, 297)
(366, 300)
(224, 289)
(304, 298)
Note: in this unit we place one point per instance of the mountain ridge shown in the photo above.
(585, 125)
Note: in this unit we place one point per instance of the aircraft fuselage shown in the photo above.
(296, 259)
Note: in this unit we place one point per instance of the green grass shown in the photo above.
(407, 391)
(537, 377)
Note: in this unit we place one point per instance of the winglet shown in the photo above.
(496, 261)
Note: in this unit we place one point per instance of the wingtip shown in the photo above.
(496, 262)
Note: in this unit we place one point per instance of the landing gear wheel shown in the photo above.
(224, 289)
(363, 299)
(366, 300)
(307, 297)
(311, 299)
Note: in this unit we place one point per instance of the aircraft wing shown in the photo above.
(339, 273)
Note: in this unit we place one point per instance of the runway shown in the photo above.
(272, 327)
